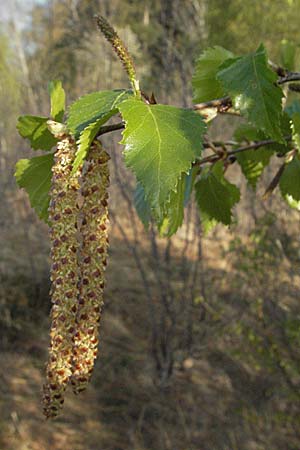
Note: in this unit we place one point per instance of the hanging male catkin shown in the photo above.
(64, 272)
(93, 254)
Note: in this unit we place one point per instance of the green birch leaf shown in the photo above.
(248, 133)
(189, 184)
(253, 163)
(95, 107)
(296, 129)
(142, 207)
(205, 84)
(161, 142)
(286, 131)
(85, 140)
(289, 183)
(174, 210)
(57, 100)
(215, 196)
(34, 175)
(252, 86)
(35, 129)
(207, 223)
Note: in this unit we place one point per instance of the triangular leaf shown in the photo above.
(36, 130)
(94, 107)
(289, 183)
(205, 84)
(57, 100)
(86, 138)
(160, 142)
(34, 175)
(215, 196)
(252, 86)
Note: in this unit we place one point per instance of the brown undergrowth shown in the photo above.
(225, 395)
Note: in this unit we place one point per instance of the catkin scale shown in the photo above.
(93, 254)
(64, 275)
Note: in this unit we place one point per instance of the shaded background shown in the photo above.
(200, 335)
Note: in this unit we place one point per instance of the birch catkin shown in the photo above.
(78, 215)
(93, 255)
(64, 274)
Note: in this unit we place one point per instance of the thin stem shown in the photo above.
(274, 183)
(108, 128)
(217, 103)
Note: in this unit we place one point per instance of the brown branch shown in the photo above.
(214, 158)
(220, 143)
(290, 76)
(221, 103)
(109, 128)
(257, 145)
(274, 182)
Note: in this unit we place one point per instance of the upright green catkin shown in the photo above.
(64, 274)
(120, 49)
(93, 257)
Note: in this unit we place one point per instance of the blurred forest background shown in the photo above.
(200, 337)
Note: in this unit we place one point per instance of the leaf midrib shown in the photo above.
(159, 148)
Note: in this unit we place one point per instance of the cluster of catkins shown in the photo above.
(78, 217)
